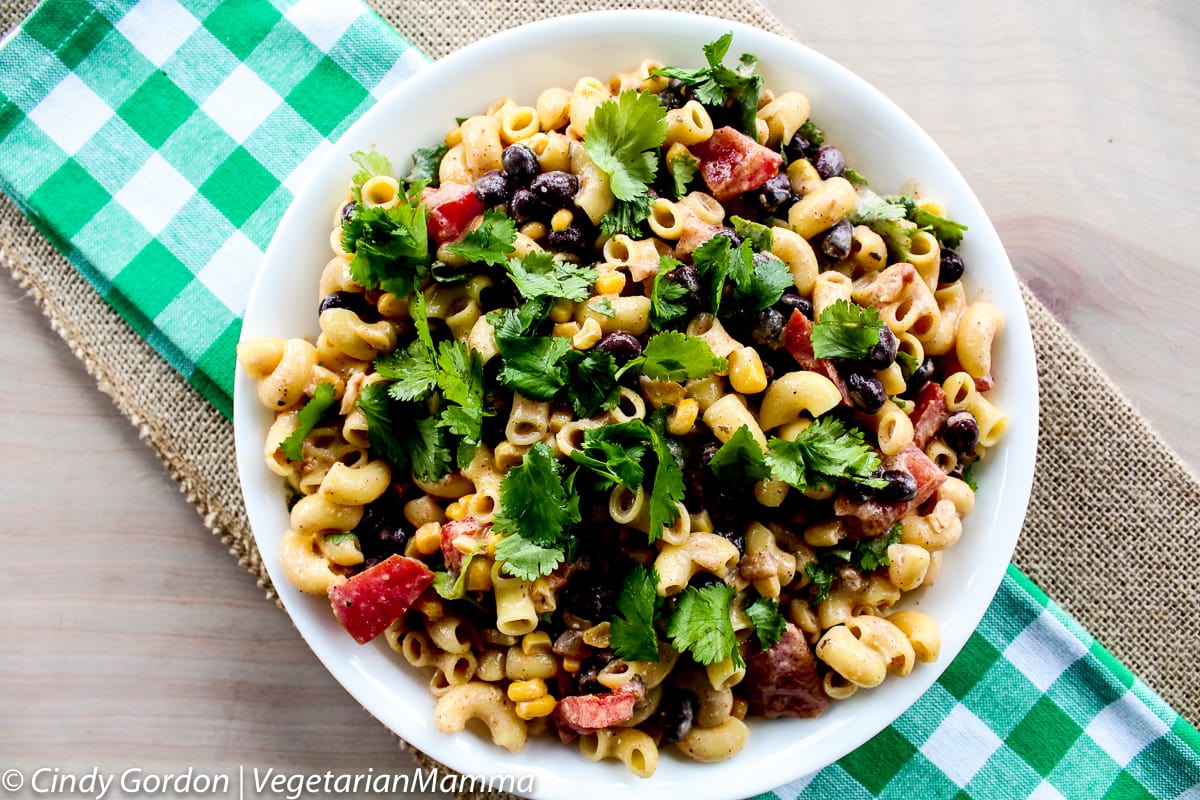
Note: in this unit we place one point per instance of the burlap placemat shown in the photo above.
(1113, 528)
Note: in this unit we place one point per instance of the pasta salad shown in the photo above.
(635, 412)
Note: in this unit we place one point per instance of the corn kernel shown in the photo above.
(458, 509)
(464, 544)
(563, 310)
(561, 220)
(533, 641)
(542, 707)
(428, 538)
(479, 575)
(431, 608)
(588, 335)
(493, 636)
(454, 137)
(534, 230)
(746, 373)
(567, 330)
(934, 207)
(571, 665)
(610, 283)
(525, 691)
(683, 418)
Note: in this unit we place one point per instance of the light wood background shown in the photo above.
(130, 638)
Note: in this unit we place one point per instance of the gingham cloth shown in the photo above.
(157, 143)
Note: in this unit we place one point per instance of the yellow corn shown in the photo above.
(561, 219)
(542, 707)
(479, 575)
(683, 418)
(428, 538)
(534, 640)
(567, 330)
(562, 310)
(588, 335)
(527, 691)
(453, 137)
(746, 373)
(464, 544)
(431, 608)
(934, 207)
(571, 665)
(534, 230)
(610, 283)
(458, 509)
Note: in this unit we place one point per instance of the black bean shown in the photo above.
(920, 376)
(520, 164)
(790, 302)
(621, 345)
(881, 355)
(952, 267)
(730, 234)
(858, 493)
(702, 579)
(591, 594)
(383, 529)
(835, 243)
(829, 162)
(569, 240)
(797, 148)
(524, 205)
(709, 450)
(901, 487)
(775, 192)
(961, 431)
(556, 189)
(355, 301)
(679, 714)
(688, 277)
(492, 188)
(768, 328)
(672, 97)
(865, 391)
(347, 212)
(735, 535)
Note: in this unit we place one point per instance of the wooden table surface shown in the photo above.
(132, 639)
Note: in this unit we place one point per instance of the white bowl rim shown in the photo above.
(752, 771)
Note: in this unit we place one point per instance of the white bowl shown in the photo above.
(881, 142)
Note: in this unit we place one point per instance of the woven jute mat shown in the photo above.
(1110, 498)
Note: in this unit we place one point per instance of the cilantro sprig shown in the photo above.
(823, 453)
(701, 625)
(768, 622)
(537, 510)
(631, 631)
(622, 138)
(672, 356)
(665, 295)
(896, 217)
(740, 460)
(539, 274)
(757, 280)
(489, 243)
(321, 401)
(717, 84)
(846, 330)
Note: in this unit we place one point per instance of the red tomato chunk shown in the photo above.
(375, 598)
(733, 163)
(584, 713)
(451, 209)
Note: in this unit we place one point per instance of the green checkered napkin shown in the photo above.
(157, 144)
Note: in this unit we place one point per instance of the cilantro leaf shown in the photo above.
(412, 372)
(631, 630)
(540, 275)
(527, 560)
(740, 460)
(908, 364)
(870, 554)
(770, 279)
(664, 294)
(716, 84)
(712, 262)
(811, 133)
(968, 477)
(672, 356)
(948, 232)
(513, 323)
(846, 330)
(822, 578)
(592, 376)
(769, 624)
(701, 625)
(758, 234)
(309, 416)
(426, 161)
(405, 441)
(430, 453)
(683, 168)
(626, 217)
(621, 137)
(668, 488)
(537, 506)
(823, 453)
(855, 177)
(372, 163)
(490, 242)
(460, 377)
(602, 306)
(613, 453)
(390, 246)
(340, 538)
(453, 587)
(885, 216)
(534, 366)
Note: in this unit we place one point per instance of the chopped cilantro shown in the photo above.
(908, 364)
(822, 578)
(884, 215)
(309, 416)
(948, 232)
(668, 486)
(426, 162)
(846, 330)
(626, 217)
(534, 366)
(758, 234)
(372, 163)
(717, 84)
(811, 133)
(758, 280)
(540, 275)
(453, 587)
(592, 378)
(769, 624)
(870, 554)
(403, 439)
(340, 538)
(823, 453)
(613, 453)
(511, 323)
(537, 509)
(412, 372)
(390, 246)
(763, 288)
(631, 632)
(740, 460)
(491, 242)
(712, 262)
(701, 625)
(604, 307)
(683, 168)
(855, 177)
(665, 294)
(622, 138)
(672, 356)
(969, 477)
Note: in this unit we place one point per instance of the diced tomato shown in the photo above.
(797, 339)
(733, 163)
(929, 414)
(450, 210)
(468, 527)
(375, 598)
(877, 517)
(591, 712)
